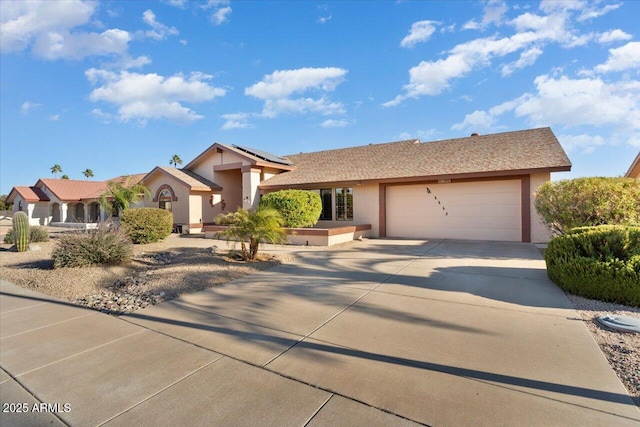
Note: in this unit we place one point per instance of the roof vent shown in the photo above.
(474, 134)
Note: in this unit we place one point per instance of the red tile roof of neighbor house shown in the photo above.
(501, 153)
(30, 194)
(191, 179)
(76, 190)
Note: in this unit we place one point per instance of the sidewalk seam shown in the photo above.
(50, 324)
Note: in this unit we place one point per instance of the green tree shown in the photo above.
(253, 227)
(88, 173)
(175, 161)
(56, 169)
(4, 206)
(65, 176)
(119, 197)
(582, 202)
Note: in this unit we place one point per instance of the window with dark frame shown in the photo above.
(344, 204)
(325, 197)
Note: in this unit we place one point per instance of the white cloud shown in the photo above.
(613, 36)
(493, 13)
(27, 106)
(324, 19)
(527, 58)
(333, 123)
(532, 33)
(102, 116)
(622, 58)
(236, 121)
(476, 121)
(158, 31)
(221, 10)
(48, 25)
(151, 96)
(54, 117)
(420, 32)
(586, 144)
(572, 103)
(278, 88)
(177, 3)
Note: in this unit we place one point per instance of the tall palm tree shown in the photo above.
(253, 226)
(56, 169)
(175, 161)
(119, 197)
(88, 173)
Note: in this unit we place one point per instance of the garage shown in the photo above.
(480, 210)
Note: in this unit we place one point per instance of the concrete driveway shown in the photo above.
(381, 332)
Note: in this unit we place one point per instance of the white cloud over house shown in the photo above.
(151, 96)
(623, 58)
(158, 31)
(420, 32)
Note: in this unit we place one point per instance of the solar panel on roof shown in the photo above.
(264, 155)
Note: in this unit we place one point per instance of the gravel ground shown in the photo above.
(177, 265)
(622, 349)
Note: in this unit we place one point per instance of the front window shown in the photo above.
(325, 197)
(344, 204)
(164, 201)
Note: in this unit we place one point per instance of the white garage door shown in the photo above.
(486, 210)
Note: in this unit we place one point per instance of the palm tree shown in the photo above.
(88, 173)
(56, 169)
(65, 176)
(119, 197)
(175, 161)
(253, 226)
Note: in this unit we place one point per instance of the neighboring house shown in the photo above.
(634, 169)
(478, 187)
(63, 200)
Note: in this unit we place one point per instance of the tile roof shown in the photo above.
(69, 190)
(31, 194)
(502, 152)
(193, 180)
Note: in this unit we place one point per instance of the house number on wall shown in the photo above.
(439, 203)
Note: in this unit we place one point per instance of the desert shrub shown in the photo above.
(299, 208)
(580, 202)
(597, 262)
(106, 245)
(147, 225)
(36, 234)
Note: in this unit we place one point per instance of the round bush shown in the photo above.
(104, 246)
(147, 225)
(597, 262)
(299, 208)
(36, 234)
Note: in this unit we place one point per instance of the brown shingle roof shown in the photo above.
(193, 180)
(508, 151)
(29, 194)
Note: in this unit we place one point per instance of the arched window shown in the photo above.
(164, 200)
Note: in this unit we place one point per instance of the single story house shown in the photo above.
(479, 187)
(634, 169)
(54, 201)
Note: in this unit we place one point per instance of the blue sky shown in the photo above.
(119, 87)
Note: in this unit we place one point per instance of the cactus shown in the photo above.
(21, 231)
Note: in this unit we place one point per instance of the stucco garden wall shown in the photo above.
(539, 232)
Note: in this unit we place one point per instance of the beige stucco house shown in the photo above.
(634, 169)
(480, 187)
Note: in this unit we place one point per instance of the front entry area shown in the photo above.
(480, 210)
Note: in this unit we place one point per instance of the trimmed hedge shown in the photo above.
(299, 208)
(36, 234)
(147, 225)
(104, 246)
(597, 262)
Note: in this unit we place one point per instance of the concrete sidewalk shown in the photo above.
(381, 332)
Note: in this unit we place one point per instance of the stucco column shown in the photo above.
(103, 214)
(250, 183)
(63, 212)
(30, 208)
(86, 213)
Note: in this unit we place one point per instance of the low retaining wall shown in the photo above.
(310, 236)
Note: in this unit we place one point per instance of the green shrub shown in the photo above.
(36, 234)
(580, 202)
(107, 245)
(147, 225)
(597, 262)
(299, 208)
